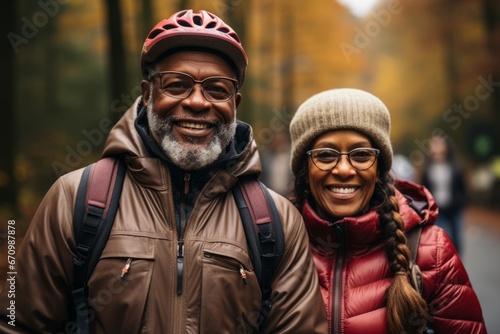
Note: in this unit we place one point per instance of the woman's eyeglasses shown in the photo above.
(327, 158)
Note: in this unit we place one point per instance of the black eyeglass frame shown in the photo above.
(189, 91)
(377, 152)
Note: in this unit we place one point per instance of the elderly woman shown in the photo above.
(359, 218)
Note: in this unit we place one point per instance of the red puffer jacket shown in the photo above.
(354, 272)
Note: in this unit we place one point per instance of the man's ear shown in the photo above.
(145, 91)
(237, 100)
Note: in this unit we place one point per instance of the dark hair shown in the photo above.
(404, 304)
(300, 189)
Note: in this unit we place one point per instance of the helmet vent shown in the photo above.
(154, 33)
(197, 20)
(169, 26)
(211, 25)
(235, 37)
(224, 30)
(184, 23)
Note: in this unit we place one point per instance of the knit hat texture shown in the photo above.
(341, 109)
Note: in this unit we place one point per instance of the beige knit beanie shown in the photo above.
(341, 109)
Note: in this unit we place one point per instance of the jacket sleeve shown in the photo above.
(298, 307)
(452, 302)
(42, 285)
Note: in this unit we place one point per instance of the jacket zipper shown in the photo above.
(230, 264)
(180, 266)
(337, 291)
(126, 268)
(180, 232)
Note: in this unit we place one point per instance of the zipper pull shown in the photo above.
(187, 177)
(126, 267)
(243, 275)
(180, 266)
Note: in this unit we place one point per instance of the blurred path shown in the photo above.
(481, 257)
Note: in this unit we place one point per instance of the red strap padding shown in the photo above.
(256, 201)
(101, 183)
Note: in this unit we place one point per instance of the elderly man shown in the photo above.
(177, 259)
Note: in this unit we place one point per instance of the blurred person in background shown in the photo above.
(358, 219)
(275, 164)
(402, 168)
(445, 179)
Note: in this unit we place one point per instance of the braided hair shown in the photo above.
(405, 306)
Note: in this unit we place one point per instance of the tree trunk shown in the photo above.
(51, 69)
(183, 4)
(8, 189)
(147, 18)
(491, 21)
(118, 75)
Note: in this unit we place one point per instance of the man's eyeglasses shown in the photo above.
(180, 85)
(327, 158)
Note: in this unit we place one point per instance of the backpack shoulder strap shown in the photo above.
(413, 239)
(95, 209)
(264, 233)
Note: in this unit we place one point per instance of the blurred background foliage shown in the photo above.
(70, 68)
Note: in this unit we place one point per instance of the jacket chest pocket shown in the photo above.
(119, 286)
(231, 296)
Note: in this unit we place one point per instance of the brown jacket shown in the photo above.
(214, 298)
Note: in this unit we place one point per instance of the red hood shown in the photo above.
(416, 206)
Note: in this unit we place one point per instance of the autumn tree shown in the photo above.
(117, 68)
(8, 189)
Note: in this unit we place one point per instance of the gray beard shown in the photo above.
(188, 158)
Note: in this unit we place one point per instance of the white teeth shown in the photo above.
(193, 125)
(344, 190)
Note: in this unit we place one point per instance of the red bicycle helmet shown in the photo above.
(188, 29)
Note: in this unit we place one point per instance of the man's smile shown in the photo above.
(191, 128)
(192, 125)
